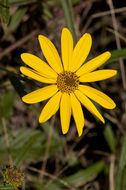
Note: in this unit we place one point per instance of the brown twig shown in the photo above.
(7, 144)
(101, 14)
(111, 173)
(99, 152)
(115, 26)
(18, 43)
(57, 175)
(79, 153)
(52, 177)
(115, 121)
(7, 141)
(117, 33)
(43, 167)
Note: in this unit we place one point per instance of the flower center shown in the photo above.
(67, 82)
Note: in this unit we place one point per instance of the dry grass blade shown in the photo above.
(101, 14)
(43, 167)
(115, 26)
(112, 172)
(7, 141)
(18, 43)
(52, 177)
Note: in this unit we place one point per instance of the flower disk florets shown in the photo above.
(67, 82)
(13, 176)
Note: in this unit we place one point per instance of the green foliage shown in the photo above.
(39, 186)
(25, 149)
(4, 8)
(21, 2)
(67, 8)
(121, 173)
(83, 175)
(79, 177)
(122, 161)
(46, 12)
(117, 54)
(16, 19)
(121, 180)
(6, 104)
(58, 2)
(110, 137)
(55, 135)
(5, 187)
(28, 146)
(19, 87)
(31, 143)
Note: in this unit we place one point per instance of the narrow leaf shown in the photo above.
(16, 19)
(121, 180)
(110, 137)
(24, 150)
(4, 7)
(84, 175)
(122, 161)
(19, 87)
(5, 187)
(117, 54)
(6, 106)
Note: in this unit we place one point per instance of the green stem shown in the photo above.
(67, 8)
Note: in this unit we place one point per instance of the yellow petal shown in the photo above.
(39, 65)
(77, 113)
(97, 75)
(50, 53)
(88, 104)
(50, 108)
(65, 112)
(36, 75)
(66, 48)
(98, 96)
(81, 52)
(94, 63)
(40, 94)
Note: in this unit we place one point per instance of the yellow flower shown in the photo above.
(67, 90)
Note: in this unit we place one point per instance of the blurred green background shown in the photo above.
(49, 160)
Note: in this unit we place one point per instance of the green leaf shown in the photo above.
(21, 2)
(16, 19)
(39, 186)
(46, 127)
(5, 187)
(19, 136)
(122, 161)
(121, 180)
(46, 12)
(6, 105)
(110, 137)
(4, 7)
(117, 54)
(68, 13)
(75, 1)
(121, 175)
(57, 2)
(85, 174)
(19, 87)
(25, 149)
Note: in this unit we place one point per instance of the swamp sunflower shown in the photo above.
(67, 78)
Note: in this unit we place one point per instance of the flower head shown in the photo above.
(67, 90)
(13, 176)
